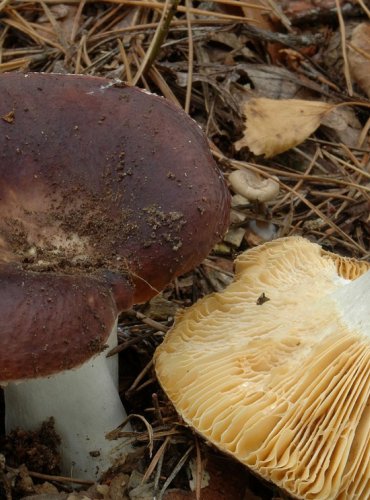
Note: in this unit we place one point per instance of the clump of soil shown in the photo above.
(38, 449)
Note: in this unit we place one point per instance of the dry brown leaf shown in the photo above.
(274, 126)
(343, 126)
(359, 56)
(258, 17)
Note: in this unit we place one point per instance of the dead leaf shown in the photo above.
(274, 126)
(278, 83)
(235, 236)
(336, 119)
(359, 56)
(257, 12)
(343, 126)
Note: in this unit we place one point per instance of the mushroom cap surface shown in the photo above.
(254, 187)
(275, 370)
(106, 189)
(51, 323)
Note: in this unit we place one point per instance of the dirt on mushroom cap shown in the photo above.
(106, 194)
(92, 174)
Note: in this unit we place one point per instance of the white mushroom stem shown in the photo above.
(353, 301)
(265, 230)
(257, 190)
(85, 404)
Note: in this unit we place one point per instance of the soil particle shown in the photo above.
(38, 450)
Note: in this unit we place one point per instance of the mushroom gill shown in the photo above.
(275, 370)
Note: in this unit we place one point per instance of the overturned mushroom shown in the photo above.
(106, 194)
(275, 370)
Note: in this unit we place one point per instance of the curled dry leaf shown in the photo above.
(359, 56)
(274, 126)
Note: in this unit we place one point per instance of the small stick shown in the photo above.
(342, 29)
(199, 469)
(141, 375)
(160, 34)
(161, 450)
(188, 5)
(51, 477)
(175, 471)
(150, 322)
(125, 61)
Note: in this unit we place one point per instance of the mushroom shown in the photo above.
(253, 187)
(275, 370)
(106, 194)
(258, 191)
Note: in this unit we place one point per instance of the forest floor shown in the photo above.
(215, 59)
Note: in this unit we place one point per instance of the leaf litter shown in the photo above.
(275, 126)
(217, 60)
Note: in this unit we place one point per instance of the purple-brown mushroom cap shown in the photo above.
(106, 194)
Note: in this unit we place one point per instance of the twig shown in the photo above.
(128, 343)
(159, 81)
(364, 8)
(300, 181)
(117, 433)
(280, 14)
(328, 221)
(58, 32)
(141, 375)
(158, 472)
(3, 4)
(199, 469)
(190, 56)
(125, 62)
(364, 134)
(267, 171)
(360, 51)
(148, 321)
(157, 409)
(160, 34)
(161, 451)
(76, 20)
(175, 471)
(342, 29)
(51, 477)
(290, 40)
(330, 143)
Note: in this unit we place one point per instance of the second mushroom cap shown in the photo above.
(275, 369)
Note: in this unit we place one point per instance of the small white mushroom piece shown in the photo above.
(256, 190)
(254, 187)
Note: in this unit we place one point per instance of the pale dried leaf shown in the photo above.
(274, 126)
(235, 236)
(359, 59)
